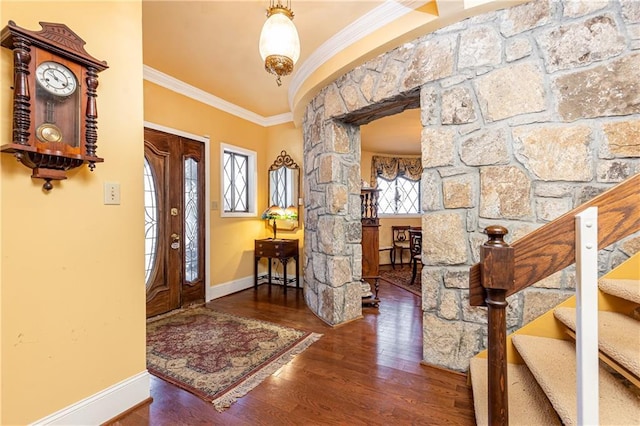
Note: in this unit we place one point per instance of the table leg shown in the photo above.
(255, 272)
(269, 259)
(297, 272)
(414, 271)
(392, 256)
(284, 271)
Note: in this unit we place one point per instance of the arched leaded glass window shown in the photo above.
(150, 222)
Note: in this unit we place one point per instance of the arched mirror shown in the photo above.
(284, 190)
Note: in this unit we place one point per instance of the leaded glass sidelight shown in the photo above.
(150, 223)
(191, 220)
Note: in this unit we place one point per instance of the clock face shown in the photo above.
(56, 79)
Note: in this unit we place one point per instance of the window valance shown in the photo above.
(390, 168)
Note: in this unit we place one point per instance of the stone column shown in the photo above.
(333, 229)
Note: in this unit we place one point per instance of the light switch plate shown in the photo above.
(111, 193)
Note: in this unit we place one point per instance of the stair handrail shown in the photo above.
(550, 248)
(507, 269)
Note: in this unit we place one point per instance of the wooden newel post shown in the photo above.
(496, 258)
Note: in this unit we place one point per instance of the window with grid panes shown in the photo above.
(236, 189)
(238, 181)
(398, 196)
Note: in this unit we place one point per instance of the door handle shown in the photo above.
(175, 241)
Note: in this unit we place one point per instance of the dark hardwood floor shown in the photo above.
(366, 372)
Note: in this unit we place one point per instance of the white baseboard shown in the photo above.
(104, 405)
(229, 287)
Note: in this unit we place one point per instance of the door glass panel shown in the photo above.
(150, 222)
(190, 219)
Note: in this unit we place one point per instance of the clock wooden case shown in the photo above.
(55, 111)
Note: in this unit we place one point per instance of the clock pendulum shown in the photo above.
(48, 131)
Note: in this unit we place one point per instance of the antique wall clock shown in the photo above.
(55, 111)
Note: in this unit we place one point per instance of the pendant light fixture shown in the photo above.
(279, 42)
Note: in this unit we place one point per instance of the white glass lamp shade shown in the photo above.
(279, 37)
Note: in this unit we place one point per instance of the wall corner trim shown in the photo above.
(104, 405)
(230, 287)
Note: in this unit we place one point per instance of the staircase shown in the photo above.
(541, 368)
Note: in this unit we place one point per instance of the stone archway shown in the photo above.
(333, 229)
(499, 96)
(384, 86)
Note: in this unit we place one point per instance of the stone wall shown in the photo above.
(526, 112)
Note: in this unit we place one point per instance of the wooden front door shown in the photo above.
(174, 221)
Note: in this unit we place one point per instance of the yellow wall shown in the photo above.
(72, 284)
(365, 166)
(4, 124)
(232, 239)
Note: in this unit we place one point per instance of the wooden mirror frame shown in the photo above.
(284, 161)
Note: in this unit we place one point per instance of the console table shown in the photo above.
(281, 249)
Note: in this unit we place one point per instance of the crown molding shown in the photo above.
(274, 120)
(375, 19)
(164, 80)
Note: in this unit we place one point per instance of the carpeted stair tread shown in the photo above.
(625, 289)
(618, 336)
(528, 405)
(553, 363)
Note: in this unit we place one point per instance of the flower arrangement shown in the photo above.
(278, 213)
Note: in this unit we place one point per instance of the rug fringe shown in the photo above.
(223, 402)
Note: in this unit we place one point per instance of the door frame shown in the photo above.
(207, 197)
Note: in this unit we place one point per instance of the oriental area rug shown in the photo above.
(401, 277)
(217, 356)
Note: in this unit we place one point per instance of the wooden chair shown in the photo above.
(389, 249)
(415, 240)
(400, 242)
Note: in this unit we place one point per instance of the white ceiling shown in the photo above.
(212, 45)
